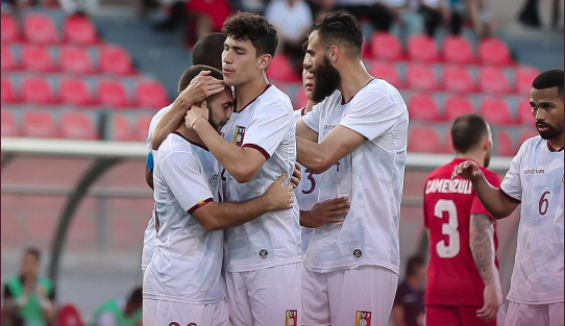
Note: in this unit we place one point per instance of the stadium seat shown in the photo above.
(142, 122)
(300, 100)
(494, 51)
(496, 111)
(78, 125)
(78, 29)
(9, 127)
(422, 48)
(113, 93)
(40, 28)
(151, 94)
(75, 92)
(504, 144)
(423, 140)
(525, 115)
(281, 70)
(457, 106)
(39, 124)
(524, 78)
(115, 60)
(458, 49)
(527, 133)
(386, 71)
(493, 80)
(421, 77)
(120, 129)
(38, 90)
(386, 46)
(37, 58)
(9, 28)
(423, 108)
(69, 316)
(76, 60)
(457, 79)
(7, 91)
(8, 59)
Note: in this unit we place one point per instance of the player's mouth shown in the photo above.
(227, 71)
(542, 127)
(309, 86)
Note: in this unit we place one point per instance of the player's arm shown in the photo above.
(11, 307)
(322, 213)
(303, 131)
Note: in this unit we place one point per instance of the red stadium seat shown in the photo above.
(9, 127)
(8, 59)
(422, 48)
(120, 128)
(494, 51)
(281, 70)
(387, 72)
(527, 134)
(423, 140)
(458, 79)
(40, 28)
(386, 46)
(39, 124)
(37, 58)
(525, 115)
(524, 78)
(141, 127)
(78, 125)
(113, 93)
(9, 29)
(38, 90)
(79, 29)
(493, 80)
(504, 144)
(7, 91)
(69, 316)
(458, 49)
(421, 77)
(423, 108)
(75, 92)
(115, 60)
(496, 111)
(300, 100)
(76, 60)
(457, 106)
(151, 93)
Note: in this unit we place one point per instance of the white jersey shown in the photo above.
(149, 235)
(372, 176)
(306, 193)
(187, 261)
(267, 125)
(536, 180)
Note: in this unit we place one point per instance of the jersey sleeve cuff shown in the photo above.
(258, 148)
(199, 204)
(512, 199)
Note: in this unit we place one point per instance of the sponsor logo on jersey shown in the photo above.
(214, 178)
(291, 318)
(534, 171)
(329, 127)
(238, 135)
(363, 318)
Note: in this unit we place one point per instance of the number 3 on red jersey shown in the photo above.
(449, 229)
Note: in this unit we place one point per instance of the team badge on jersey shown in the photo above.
(238, 135)
(291, 318)
(363, 318)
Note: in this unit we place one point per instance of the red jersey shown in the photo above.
(453, 277)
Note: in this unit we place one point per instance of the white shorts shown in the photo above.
(264, 297)
(357, 297)
(520, 314)
(170, 313)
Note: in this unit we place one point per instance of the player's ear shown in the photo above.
(264, 61)
(333, 53)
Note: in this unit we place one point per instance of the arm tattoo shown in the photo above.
(481, 246)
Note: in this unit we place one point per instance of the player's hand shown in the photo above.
(200, 88)
(488, 312)
(278, 196)
(195, 113)
(326, 212)
(296, 176)
(468, 170)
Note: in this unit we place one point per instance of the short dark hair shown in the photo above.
(35, 252)
(136, 296)
(208, 50)
(468, 131)
(340, 27)
(413, 263)
(255, 28)
(549, 79)
(193, 71)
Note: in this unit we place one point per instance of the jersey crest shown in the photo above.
(238, 135)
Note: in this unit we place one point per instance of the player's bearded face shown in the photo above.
(326, 80)
(549, 131)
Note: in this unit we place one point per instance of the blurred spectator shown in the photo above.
(174, 12)
(477, 12)
(292, 19)
(256, 6)
(408, 308)
(378, 15)
(530, 14)
(121, 311)
(438, 13)
(208, 16)
(72, 7)
(28, 298)
(407, 18)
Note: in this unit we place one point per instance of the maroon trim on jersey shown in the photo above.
(248, 104)
(343, 103)
(303, 111)
(258, 148)
(551, 149)
(188, 140)
(512, 199)
(199, 204)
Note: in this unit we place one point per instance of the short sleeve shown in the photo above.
(182, 172)
(511, 185)
(312, 118)
(371, 115)
(477, 206)
(268, 127)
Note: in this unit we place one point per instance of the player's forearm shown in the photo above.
(229, 215)
(492, 198)
(312, 156)
(481, 243)
(169, 123)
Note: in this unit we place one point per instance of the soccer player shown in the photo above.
(356, 139)
(535, 180)
(463, 286)
(183, 283)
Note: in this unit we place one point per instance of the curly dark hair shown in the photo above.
(340, 28)
(253, 27)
